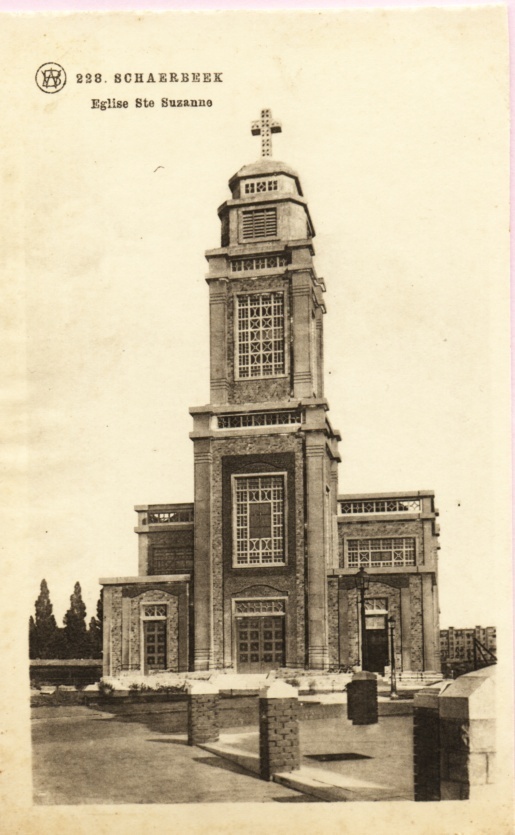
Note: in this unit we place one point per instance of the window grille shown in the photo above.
(259, 520)
(268, 262)
(260, 320)
(258, 419)
(260, 607)
(380, 506)
(168, 560)
(154, 610)
(383, 553)
(260, 186)
(259, 223)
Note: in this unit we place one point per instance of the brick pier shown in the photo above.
(278, 730)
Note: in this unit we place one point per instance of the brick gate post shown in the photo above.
(278, 730)
(203, 720)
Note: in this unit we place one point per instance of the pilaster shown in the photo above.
(218, 341)
(301, 296)
(319, 348)
(428, 626)
(316, 560)
(126, 626)
(406, 627)
(143, 554)
(107, 624)
(202, 555)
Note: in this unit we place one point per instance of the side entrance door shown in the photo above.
(155, 644)
(259, 644)
(377, 643)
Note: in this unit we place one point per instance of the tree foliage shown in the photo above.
(76, 644)
(43, 631)
(75, 639)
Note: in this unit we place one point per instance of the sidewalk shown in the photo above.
(339, 761)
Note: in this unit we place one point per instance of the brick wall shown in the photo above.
(170, 552)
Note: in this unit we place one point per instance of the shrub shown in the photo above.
(105, 688)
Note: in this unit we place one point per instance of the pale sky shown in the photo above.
(397, 124)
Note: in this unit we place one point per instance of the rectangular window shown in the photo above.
(260, 340)
(383, 553)
(258, 508)
(165, 560)
(260, 186)
(259, 223)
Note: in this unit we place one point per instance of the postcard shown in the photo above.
(257, 408)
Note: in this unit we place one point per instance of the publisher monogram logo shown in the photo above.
(50, 77)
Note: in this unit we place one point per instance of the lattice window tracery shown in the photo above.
(260, 186)
(384, 553)
(259, 607)
(260, 319)
(241, 421)
(268, 262)
(407, 505)
(259, 520)
(154, 610)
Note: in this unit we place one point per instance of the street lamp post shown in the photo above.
(362, 582)
(393, 677)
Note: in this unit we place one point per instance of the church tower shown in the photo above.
(265, 455)
(269, 567)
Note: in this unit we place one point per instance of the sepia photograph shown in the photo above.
(258, 303)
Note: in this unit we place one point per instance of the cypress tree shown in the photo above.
(33, 648)
(75, 632)
(44, 628)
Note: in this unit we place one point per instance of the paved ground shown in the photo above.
(82, 755)
(372, 762)
(385, 750)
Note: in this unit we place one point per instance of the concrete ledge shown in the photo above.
(329, 786)
(278, 690)
(153, 578)
(202, 688)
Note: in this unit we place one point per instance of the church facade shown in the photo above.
(269, 566)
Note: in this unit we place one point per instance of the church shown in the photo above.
(270, 566)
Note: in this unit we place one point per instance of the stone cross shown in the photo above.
(265, 127)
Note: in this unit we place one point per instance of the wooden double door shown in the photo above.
(260, 643)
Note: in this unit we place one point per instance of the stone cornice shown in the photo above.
(146, 580)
